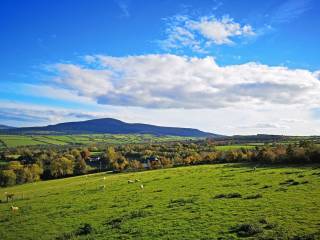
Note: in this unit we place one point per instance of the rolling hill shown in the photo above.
(111, 126)
(4, 127)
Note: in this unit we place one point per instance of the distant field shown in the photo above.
(26, 140)
(199, 202)
(234, 147)
(16, 140)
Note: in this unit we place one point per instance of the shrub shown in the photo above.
(7, 178)
(85, 229)
(229, 195)
(247, 230)
(116, 222)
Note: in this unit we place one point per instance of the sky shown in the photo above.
(224, 66)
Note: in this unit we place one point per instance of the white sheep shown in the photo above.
(130, 181)
(14, 209)
(137, 180)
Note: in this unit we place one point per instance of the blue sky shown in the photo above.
(233, 67)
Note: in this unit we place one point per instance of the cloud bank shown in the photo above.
(170, 81)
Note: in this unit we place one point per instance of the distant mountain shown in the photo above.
(109, 125)
(2, 127)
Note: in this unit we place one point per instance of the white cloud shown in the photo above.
(220, 31)
(200, 34)
(171, 81)
(245, 120)
(172, 90)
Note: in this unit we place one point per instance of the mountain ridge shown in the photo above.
(3, 127)
(111, 126)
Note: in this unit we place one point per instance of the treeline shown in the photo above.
(54, 163)
(32, 166)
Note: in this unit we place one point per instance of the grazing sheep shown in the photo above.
(137, 180)
(14, 209)
(141, 186)
(130, 181)
(9, 196)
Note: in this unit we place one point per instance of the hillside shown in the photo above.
(4, 127)
(110, 126)
(222, 201)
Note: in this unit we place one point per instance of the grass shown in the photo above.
(175, 203)
(85, 139)
(234, 147)
(17, 140)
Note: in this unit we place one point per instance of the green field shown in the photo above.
(84, 139)
(198, 202)
(234, 147)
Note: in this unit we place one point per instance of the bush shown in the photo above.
(7, 178)
(85, 229)
(247, 230)
(229, 195)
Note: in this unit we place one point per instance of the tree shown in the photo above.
(85, 153)
(75, 153)
(36, 172)
(120, 163)
(165, 162)
(136, 165)
(109, 157)
(61, 166)
(7, 178)
(80, 166)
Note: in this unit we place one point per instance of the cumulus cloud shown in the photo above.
(200, 34)
(171, 81)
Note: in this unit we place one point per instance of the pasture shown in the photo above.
(83, 139)
(234, 147)
(222, 201)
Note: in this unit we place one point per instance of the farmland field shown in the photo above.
(233, 147)
(222, 201)
(28, 140)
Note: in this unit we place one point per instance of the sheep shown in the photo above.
(9, 196)
(137, 180)
(130, 181)
(14, 209)
(141, 186)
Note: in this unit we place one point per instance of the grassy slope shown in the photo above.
(174, 204)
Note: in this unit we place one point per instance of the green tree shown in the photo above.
(61, 166)
(109, 157)
(80, 166)
(7, 178)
